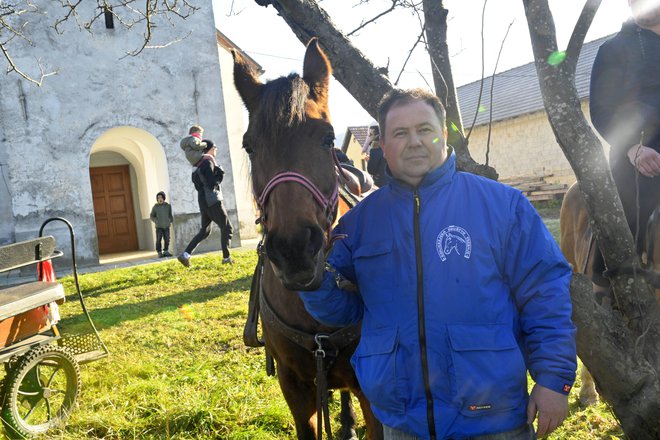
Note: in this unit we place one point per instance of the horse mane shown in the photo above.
(282, 106)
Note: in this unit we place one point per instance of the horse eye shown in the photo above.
(328, 141)
(248, 149)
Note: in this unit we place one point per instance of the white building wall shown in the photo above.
(236, 125)
(47, 132)
(524, 146)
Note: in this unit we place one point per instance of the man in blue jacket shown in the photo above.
(624, 103)
(461, 291)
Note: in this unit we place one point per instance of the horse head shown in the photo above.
(289, 141)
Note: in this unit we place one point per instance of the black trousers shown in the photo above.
(649, 197)
(217, 214)
(164, 235)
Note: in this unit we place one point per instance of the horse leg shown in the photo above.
(374, 427)
(588, 395)
(300, 396)
(347, 417)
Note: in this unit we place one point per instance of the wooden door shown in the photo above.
(113, 209)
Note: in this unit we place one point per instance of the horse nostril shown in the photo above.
(314, 240)
(271, 250)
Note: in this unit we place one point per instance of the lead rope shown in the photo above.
(322, 409)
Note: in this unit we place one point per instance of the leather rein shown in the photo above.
(324, 346)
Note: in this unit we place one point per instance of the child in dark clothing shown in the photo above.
(161, 215)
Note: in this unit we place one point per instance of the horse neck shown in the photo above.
(287, 303)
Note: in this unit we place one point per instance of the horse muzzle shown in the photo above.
(297, 256)
(302, 279)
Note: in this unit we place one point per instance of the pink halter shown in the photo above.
(327, 203)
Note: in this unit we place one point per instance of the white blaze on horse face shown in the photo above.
(414, 141)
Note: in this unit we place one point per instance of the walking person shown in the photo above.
(207, 178)
(461, 290)
(161, 215)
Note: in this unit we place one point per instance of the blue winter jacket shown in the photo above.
(462, 289)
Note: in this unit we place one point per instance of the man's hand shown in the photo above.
(645, 159)
(551, 406)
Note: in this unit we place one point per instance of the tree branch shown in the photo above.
(579, 33)
(492, 90)
(395, 3)
(419, 38)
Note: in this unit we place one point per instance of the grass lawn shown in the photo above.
(178, 368)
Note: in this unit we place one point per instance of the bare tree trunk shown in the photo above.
(621, 351)
(354, 70)
(435, 18)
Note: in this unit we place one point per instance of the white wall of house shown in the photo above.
(236, 117)
(100, 101)
(524, 146)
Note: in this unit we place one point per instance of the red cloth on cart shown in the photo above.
(45, 271)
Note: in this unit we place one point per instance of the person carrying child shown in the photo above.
(207, 178)
(161, 215)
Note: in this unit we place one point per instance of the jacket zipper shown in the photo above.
(421, 325)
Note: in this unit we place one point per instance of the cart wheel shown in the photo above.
(40, 391)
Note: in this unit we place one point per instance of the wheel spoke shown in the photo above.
(28, 393)
(48, 409)
(37, 369)
(26, 416)
(50, 379)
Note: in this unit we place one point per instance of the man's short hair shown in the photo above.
(195, 129)
(405, 96)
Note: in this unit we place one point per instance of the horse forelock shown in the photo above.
(282, 107)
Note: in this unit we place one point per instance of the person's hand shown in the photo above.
(645, 159)
(551, 406)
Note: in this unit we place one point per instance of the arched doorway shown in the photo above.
(127, 168)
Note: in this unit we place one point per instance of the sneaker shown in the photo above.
(184, 260)
(160, 255)
(227, 260)
(167, 254)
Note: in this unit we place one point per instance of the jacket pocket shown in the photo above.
(489, 369)
(376, 271)
(211, 196)
(375, 366)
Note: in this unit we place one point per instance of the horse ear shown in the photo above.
(317, 71)
(246, 81)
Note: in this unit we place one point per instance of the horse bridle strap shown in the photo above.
(327, 203)
(338, 339)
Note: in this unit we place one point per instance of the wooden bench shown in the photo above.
(24, 308)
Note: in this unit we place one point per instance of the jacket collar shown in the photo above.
(435, 178)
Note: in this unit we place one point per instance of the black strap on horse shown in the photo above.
(322, 368)
(250, 330)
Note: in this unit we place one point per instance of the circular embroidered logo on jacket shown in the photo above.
(453, 240)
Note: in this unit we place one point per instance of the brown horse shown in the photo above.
(290, 144)
(579, 249)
